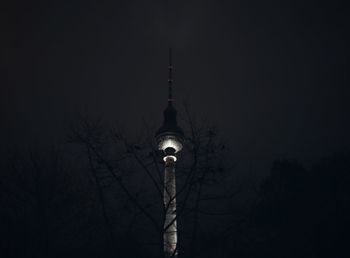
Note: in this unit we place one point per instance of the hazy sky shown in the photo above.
(273, 77)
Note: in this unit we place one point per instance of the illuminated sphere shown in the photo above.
(170, 135)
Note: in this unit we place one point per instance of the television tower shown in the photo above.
(170, 138)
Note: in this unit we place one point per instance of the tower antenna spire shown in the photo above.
(170, 78)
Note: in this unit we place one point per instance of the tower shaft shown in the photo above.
(170, 228)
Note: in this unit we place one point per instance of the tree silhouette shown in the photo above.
(104, 198)
(136, 171)
(302, 212)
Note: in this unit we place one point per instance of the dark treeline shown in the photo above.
(63, 204)
(298, 212)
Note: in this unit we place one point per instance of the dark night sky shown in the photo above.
(272, 76)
